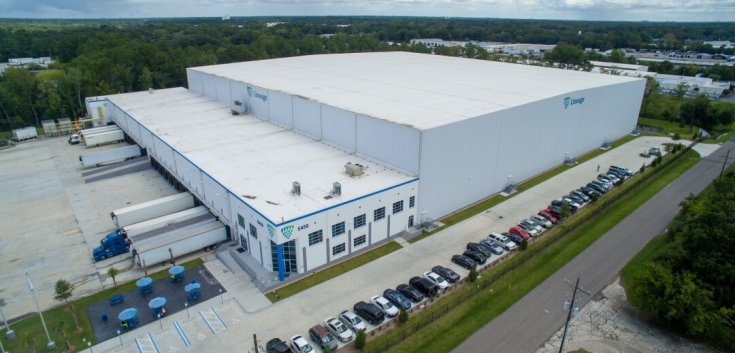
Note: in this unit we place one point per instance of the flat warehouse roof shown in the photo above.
(253, 157)
(418, 90)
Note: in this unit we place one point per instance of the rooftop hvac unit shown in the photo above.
(238, 108)
(296, 189)
(354, 169)
(336, 188)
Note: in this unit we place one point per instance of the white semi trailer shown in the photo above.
(110, 156)
(152, 209)
(97, 130)
(104, 138)
(179, 242)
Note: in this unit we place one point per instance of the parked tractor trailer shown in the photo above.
(204, 235)
(104, 138)
(152, 209)
(110, 156)
(119, 241)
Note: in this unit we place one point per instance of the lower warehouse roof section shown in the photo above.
(255, 160)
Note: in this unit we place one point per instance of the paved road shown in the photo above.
(528, 324)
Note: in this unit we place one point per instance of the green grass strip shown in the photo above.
(456, 326)
(30, 329)
(497, 199)
(331, 272)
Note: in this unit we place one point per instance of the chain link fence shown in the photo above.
(383, 344)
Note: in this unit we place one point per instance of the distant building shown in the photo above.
(669, 83)
(271, 24)
(607, 65)
(516, 48)
(43, 62)
(329, 35)
(720, 43)
(226, 17)
(436, 42)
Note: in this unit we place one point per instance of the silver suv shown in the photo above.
(502, 241)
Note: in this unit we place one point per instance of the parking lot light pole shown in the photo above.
(220, 296)
(186, 304)
(118, 335)
(160, 321)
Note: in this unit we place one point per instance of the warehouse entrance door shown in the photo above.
(289, 257)
(410, 221)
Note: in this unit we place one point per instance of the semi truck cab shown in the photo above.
(112, 244)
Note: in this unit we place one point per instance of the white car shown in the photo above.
(529, 228)
(572, 203)
(383, 304)
(533, 224)
(300, 345)
(352, 321)
(541, 221)
(338, 329)
(436, 279)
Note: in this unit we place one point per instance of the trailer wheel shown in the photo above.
(208, 248)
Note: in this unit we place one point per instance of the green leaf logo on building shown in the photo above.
(271, 230)
(572, 101)
(567, 100)
(287, 231)
(250, 92)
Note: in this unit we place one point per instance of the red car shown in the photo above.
(519, 232)
(553, 213)
(547, 214)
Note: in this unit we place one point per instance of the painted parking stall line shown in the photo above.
(210, 317)
(146, 345)
(181, 332)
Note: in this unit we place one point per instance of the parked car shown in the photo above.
(554, 211)
(398, 299)
(575, 198)
(322, 338)
(426, 287)
(503, 241)
(476, 255)
(627, 171)
(519, 232)
(580, 194)
(610, 177)
(480, 248)
(514, 238)
(338, 329)
(275, 345)
(448, 274)
(605, 184)
(531, 227)
(369, 312)
(541, 220)
(494, 248)
(351, 320)
(617, 173)
(464, 261)
(551, 218)
(572, 205)
(589, 191)
(597, 187)
(299, 345)
(383, 304)
(436, 279)
(556, 203)
(605, 179)
(410, 292)
(654, 151)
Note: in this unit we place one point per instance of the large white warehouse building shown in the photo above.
(404, 136)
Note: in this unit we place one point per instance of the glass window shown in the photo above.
(397, 207)
(338, 249)
(360, 240)
(411, 201)
(338, 229)
(253, 231)
(379, 214)
(241, 220)
(315, 238)
(359, 221)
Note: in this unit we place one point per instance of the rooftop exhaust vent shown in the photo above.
(296, 189)
(237, 108)
(336, 189)
(150, 90)
(354, 169)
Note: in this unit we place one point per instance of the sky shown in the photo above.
(602, 10)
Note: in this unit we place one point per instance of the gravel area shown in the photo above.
(173, 292)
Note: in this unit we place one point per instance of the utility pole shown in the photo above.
(727, 156)
(571, 309)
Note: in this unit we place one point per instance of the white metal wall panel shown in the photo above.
(629, 104)
(458, 163)
(571, 124)
(596, 124)
(239, 92)
(390, 143)
(223, 90)
(188, 174)
(258, 101)
(251, 217)
(215, 195)
(307, 117)
(195, 81)
(145, 139)
(545, 127)
(209, 86)
(338, 127)
(281, 110)
(164, 153)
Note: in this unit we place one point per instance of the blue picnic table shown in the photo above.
(145, 289)
(116, 299)
(194, 295)
(129, 324)
(179, 277)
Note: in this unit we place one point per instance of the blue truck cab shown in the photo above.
(112, 244)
